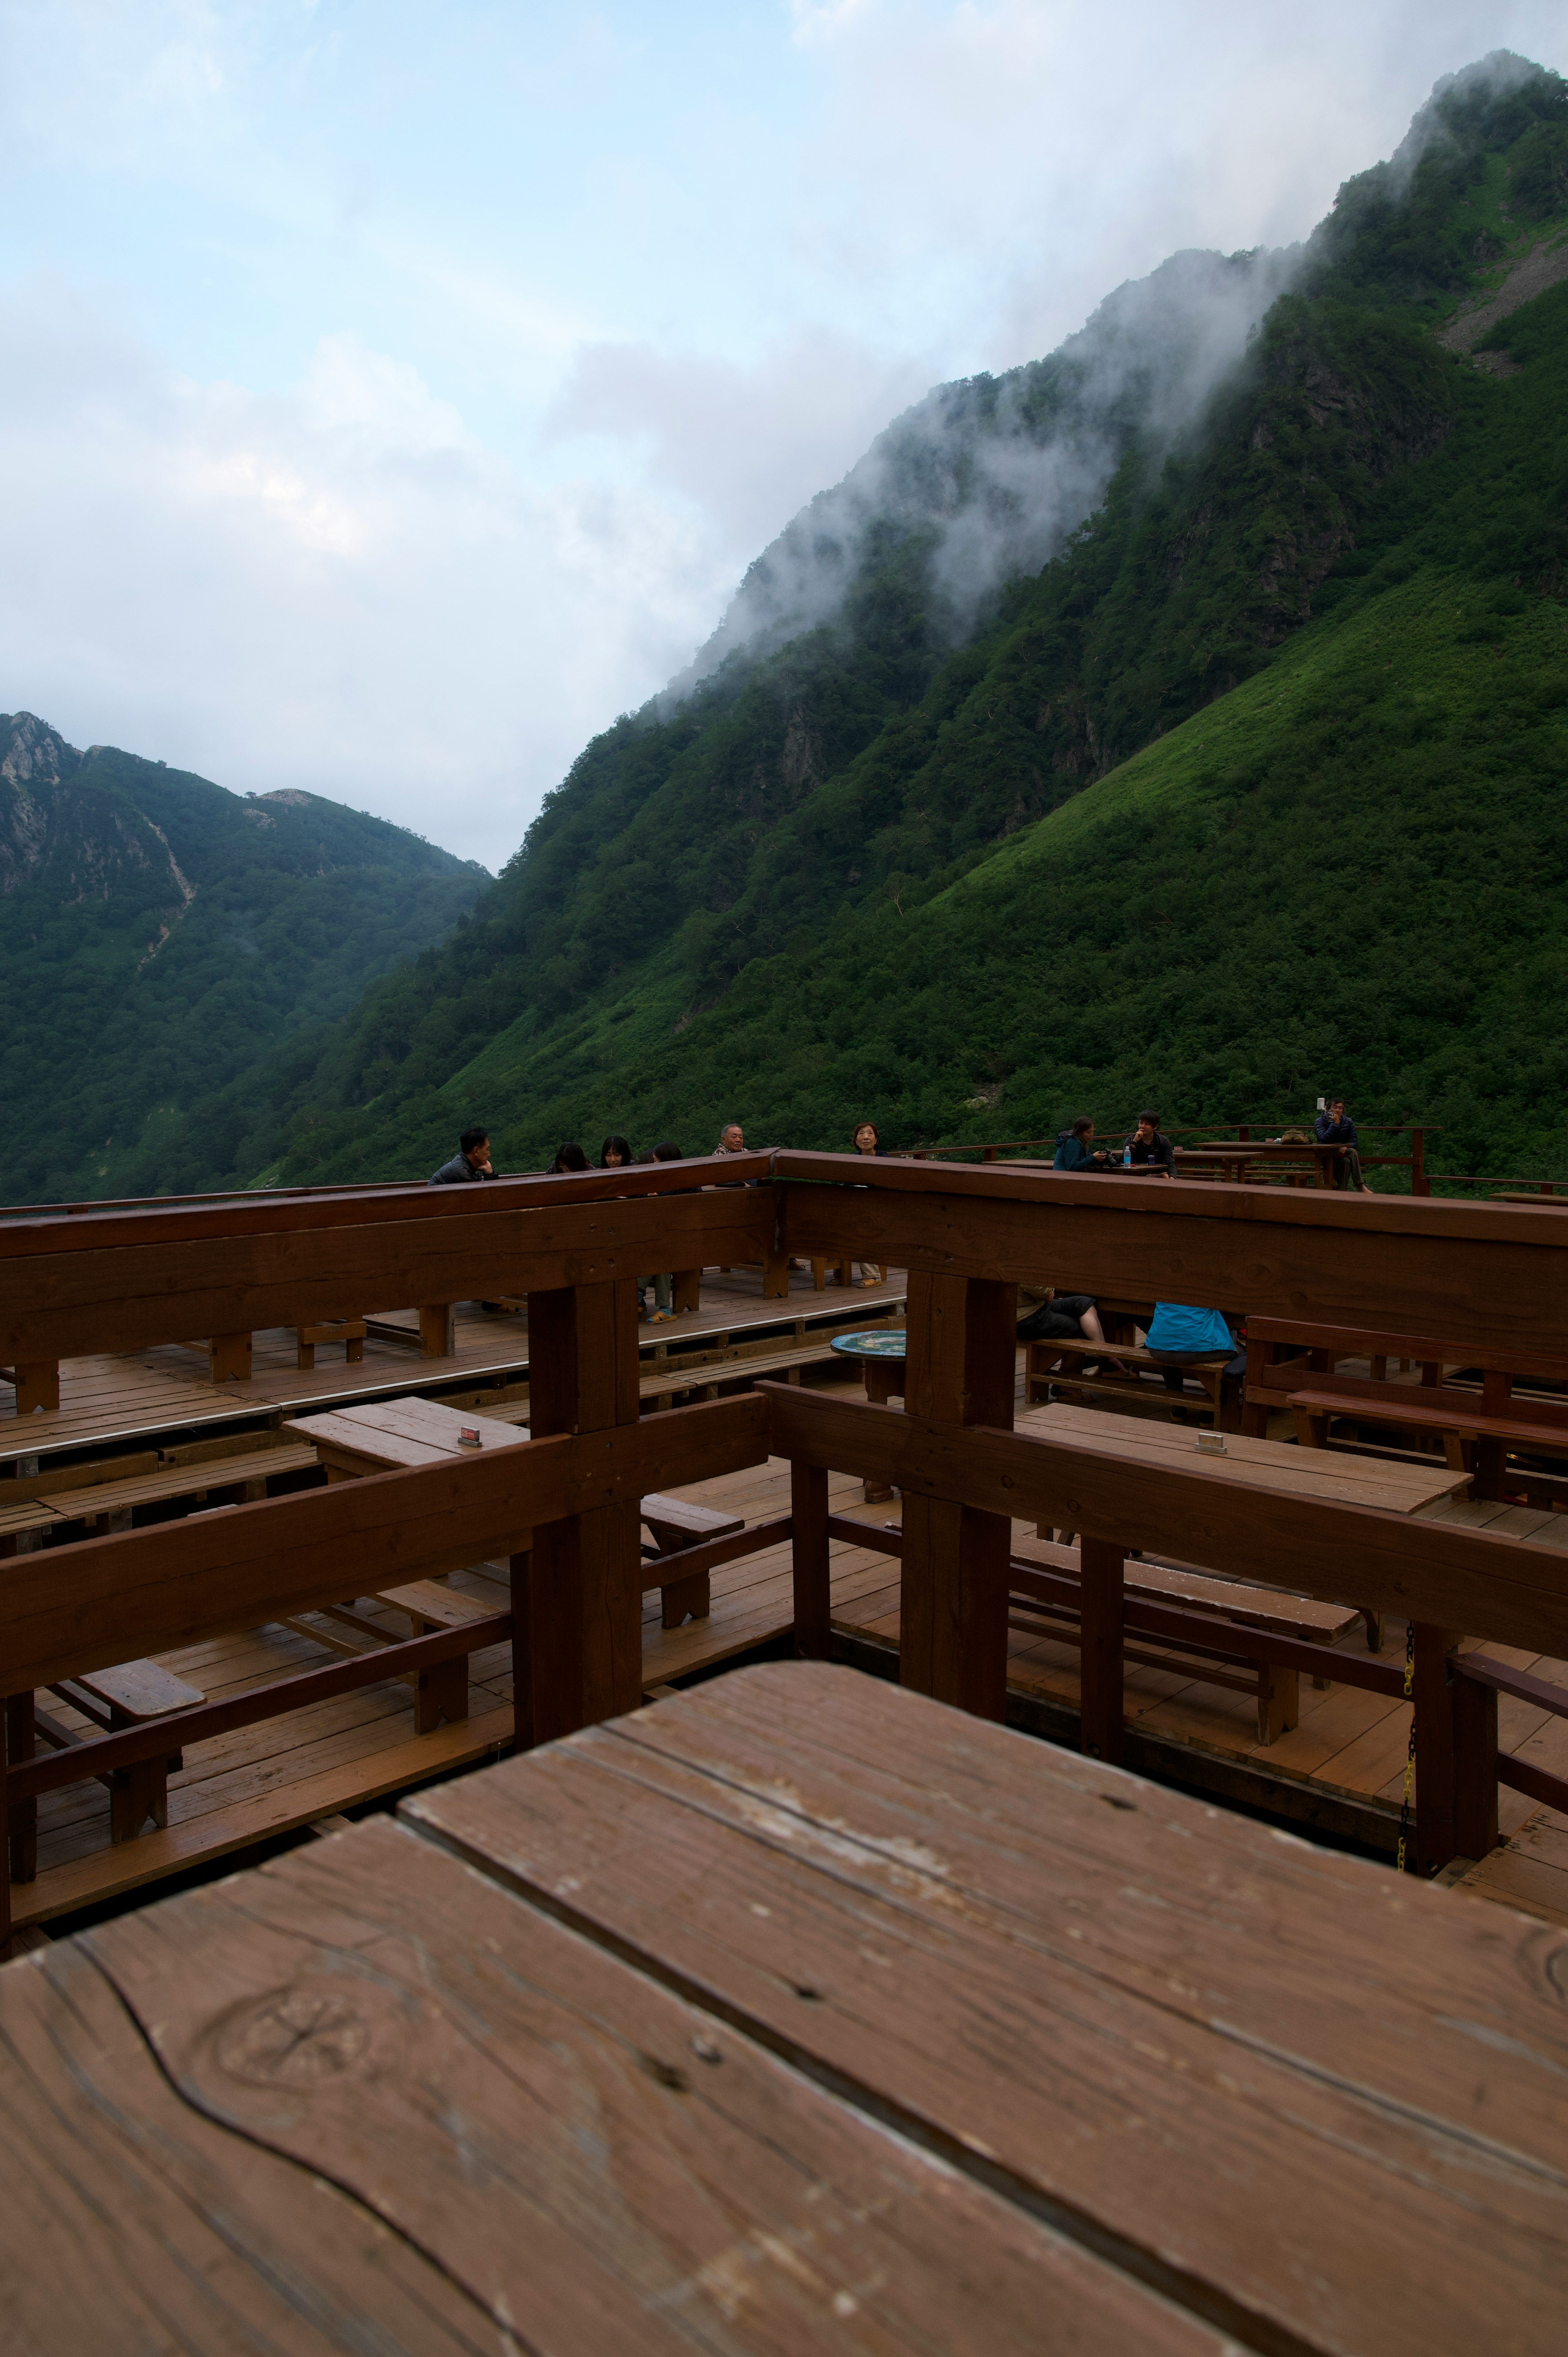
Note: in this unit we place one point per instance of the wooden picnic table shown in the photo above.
(382, 1435)
(796, 2014)
(1283, 1467)
(1232, 1156)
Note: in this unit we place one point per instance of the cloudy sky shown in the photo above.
(396, 390)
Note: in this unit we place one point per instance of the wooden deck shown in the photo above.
(108, 1401)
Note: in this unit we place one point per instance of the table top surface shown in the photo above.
(402, 1432)
(1280, 1465)
(796, 2014)
(870, 1346)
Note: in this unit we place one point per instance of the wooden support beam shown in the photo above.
(229, 1357)
(36, 1383)
(809, 1518)
(958, 1371)
(437, 1329)
(1102, 1600)
(1436, 1753)
(1474, 1768)
(582, 1616)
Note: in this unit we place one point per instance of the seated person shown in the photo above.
(568, 1158)
(1335, 1127)
(472, 1160)
(1047, 1315)
(1149, 1150)
(1181, 1336)
(1074, 1153)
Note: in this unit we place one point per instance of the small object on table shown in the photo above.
(469, 1437)
(882, 1355)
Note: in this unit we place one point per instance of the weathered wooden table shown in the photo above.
(385, 1435)
(797, 2014)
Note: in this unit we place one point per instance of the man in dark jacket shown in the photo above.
(1149, 1150)
(472, 1160)
(1335, 1127)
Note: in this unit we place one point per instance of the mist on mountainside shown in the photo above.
(991, 473)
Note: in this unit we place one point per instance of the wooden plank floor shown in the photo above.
(108, 1400)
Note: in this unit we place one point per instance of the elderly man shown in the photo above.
(732, 1139)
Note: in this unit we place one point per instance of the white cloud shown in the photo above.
(337, 588)
(746, 442)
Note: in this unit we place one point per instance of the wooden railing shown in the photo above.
(561, 1508)
(1113, 1133)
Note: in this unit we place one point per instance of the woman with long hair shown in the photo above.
(614, 1154)
(567, 1159)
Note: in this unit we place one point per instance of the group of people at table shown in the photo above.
(1148, 1149)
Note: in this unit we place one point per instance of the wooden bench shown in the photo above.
(107, 1494)
(1042, 1368)
(1488, 1422)
(1275, 1687)
(132, 1694)
(675, 1523)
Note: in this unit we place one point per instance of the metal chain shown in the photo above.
(1410, 1754)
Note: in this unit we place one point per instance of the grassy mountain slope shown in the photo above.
(1256, 785)
(158, 933)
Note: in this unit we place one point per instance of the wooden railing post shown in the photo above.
(1474, 1768)
(961, 1351)
(808, 1539)
(1101, 1629)
(1419, 1182)
(1436, 1763)
(577, 1595)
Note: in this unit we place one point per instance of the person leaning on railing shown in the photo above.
(472, 1160)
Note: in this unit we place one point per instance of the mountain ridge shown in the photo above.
(157, 933)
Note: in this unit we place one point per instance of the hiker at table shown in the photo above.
(472, 1160)
(1047, 1315)
(865, 1142)
(567, 1159)
(732, 1139)
(1074, 1153)
(1335, 1127)
(1180, 1336)
(1148, 1149)
(662, 1281)
(614, 1154)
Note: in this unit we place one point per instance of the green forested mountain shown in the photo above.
(157, 934)
(1184, 717)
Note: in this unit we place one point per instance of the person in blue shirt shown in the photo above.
(1335, 1127)
(1074, 1155)
(1180, 1336)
